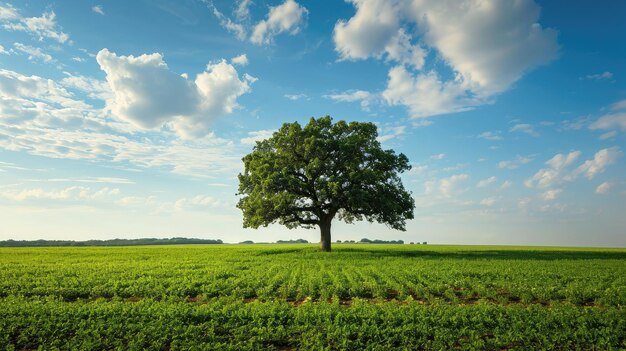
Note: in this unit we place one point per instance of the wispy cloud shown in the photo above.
(43, 27)
(598, 76)
(98, 9)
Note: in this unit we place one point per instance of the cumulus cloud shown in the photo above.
(258, 135)
(285, 18)
(375, 30)
(43, 27)
(148, 94)
(488, 201)
(551, 194)
(598, 164)
(240, 60)
(488, 45)
(388, 133)
(493, 136)
(364, 97)
(425, 94)
(486, 182)
(555, 172)
(41, 117)
(558, 172)
(445, 187)
(524, 128)
(616, 119)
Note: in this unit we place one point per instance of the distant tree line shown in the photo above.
(112, 242)
(297, 241)
(375, 241)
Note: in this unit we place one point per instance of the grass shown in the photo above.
(360, 296)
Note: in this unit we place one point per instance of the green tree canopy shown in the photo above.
(304, 177)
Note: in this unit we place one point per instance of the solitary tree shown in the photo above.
(304, 177)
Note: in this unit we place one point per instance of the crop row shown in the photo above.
(29, 323)
(299, 272)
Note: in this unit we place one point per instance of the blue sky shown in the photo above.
(129, 119)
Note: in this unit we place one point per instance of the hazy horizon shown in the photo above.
(129, 120)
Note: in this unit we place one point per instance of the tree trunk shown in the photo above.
(325, 235)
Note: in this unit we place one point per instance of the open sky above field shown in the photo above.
(129, 119)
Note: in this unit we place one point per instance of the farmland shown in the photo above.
(288, 297)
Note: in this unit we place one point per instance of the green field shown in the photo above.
(292, 297)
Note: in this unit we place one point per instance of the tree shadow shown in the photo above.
(497, 254)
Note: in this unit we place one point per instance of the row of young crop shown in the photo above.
(293, 275)
(28, 323)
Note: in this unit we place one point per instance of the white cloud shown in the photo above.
(149, 95)
(198, 202)
(236, 28)
(27, 98)
(41, 117)
(94, 88)
(608, 135)
(488, 44)
(70, 193)
(615, 120)
(389, 133)
(491, 135)
(598, 164)
(106, 180)
(551, 194)
(515, 163)
(240, 60)
(488, 201)
(285, 18)
(3, 51)
(557, 172)
(599, 76)
(554, 174)
(374, 31)
(524, 128)
(295, 97)
(8, 12)
(364, 97)
(506, 184)
(425, 94)
(603, 188)
(445, 186)
(438, 156)
(33, 52)
(44, 27)
(98, 9)
(486, 182)
(243, 9)
(255, 136)
(620, 105)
